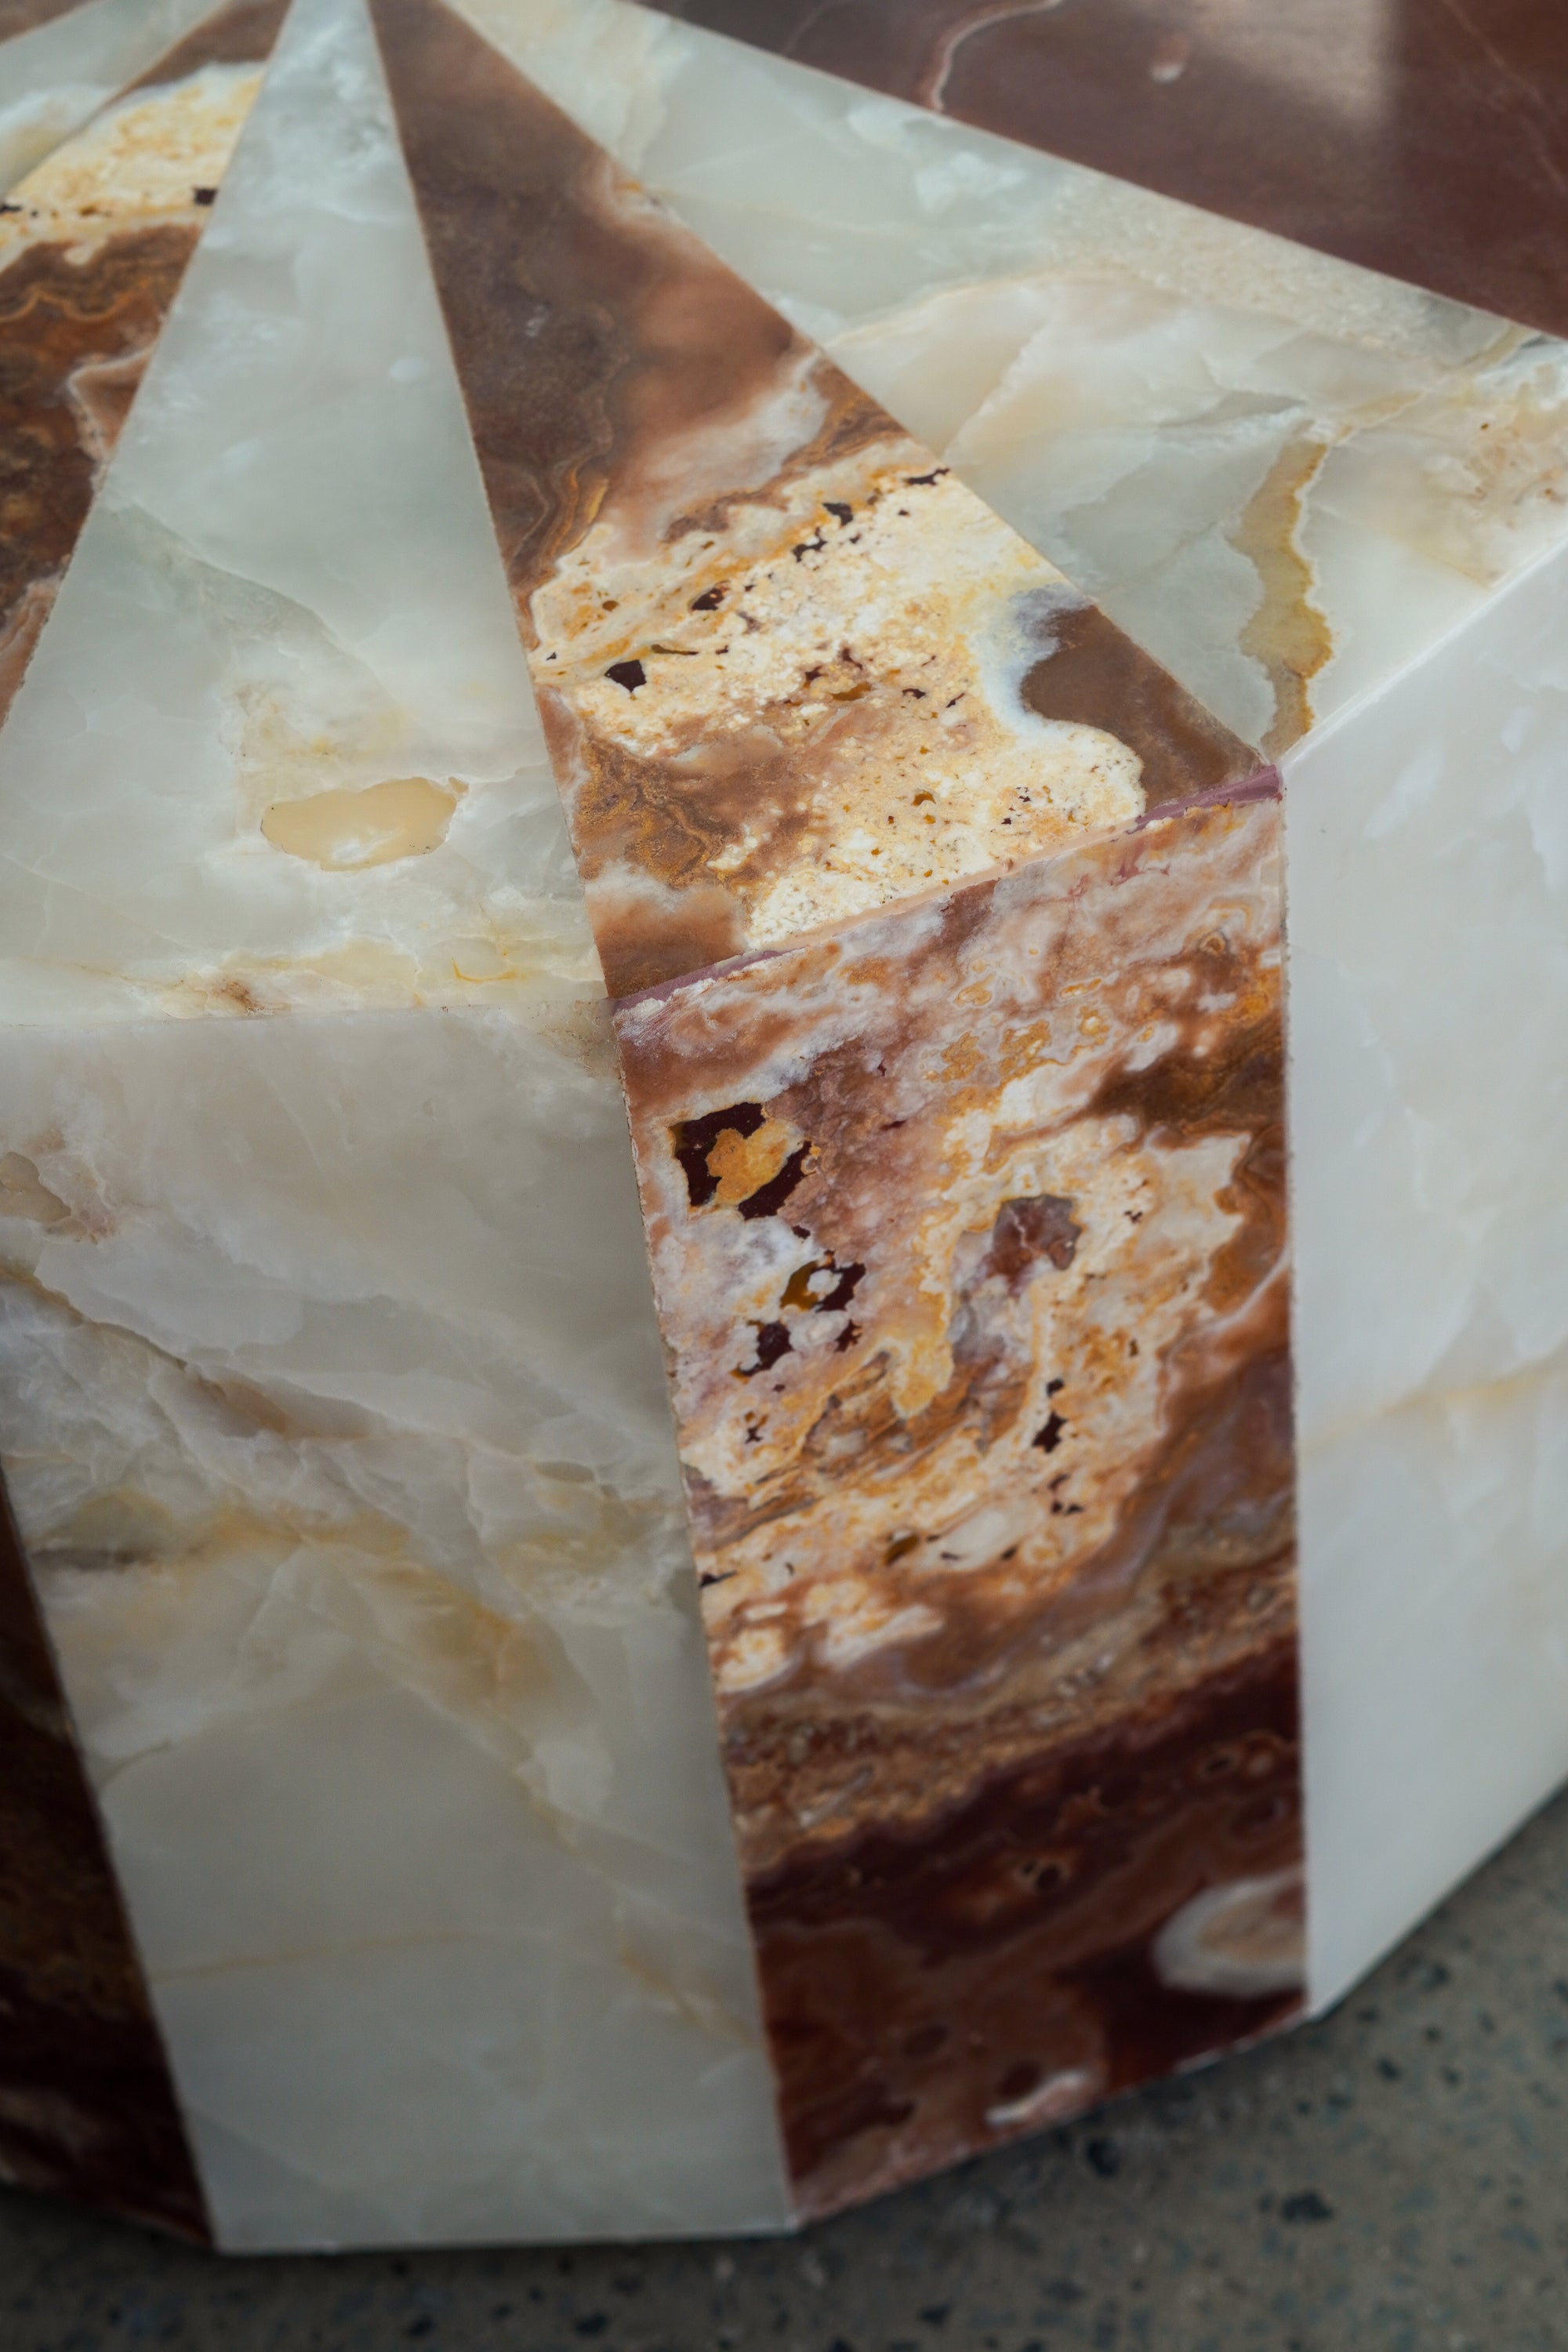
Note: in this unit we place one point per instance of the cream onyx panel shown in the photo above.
(1282, 473)
(55, 77)
(1427, 866)
(333, 1405)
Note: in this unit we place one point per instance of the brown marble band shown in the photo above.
(81, 305)
(969, 1236)
(791, 668)
(1428, 140)
(88, 2107)
(930, 1997)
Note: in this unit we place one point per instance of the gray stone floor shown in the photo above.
(1394, 2179)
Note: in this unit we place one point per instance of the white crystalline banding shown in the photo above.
(1428, 872)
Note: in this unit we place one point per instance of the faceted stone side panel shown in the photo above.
(791, 669)
(87, 2106)
(333, 1407)
(1428, 837)
(968, 1230)
(93, 246)
(1427, 141)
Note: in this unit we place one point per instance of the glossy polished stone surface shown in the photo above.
(1428, 142)
(646, 579)
(26, 15)
(1427, 869)
(968, 1230)
(765, 627)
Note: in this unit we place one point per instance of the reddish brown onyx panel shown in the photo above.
(86, 2105)
(791, 669)
(968, 1232)
(85, 286)
(1426, 138)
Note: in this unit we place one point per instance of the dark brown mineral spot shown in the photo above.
(1028, 1230)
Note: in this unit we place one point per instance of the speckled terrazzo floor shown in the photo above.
(1392, 2180)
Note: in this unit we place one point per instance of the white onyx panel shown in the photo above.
(1427, 910)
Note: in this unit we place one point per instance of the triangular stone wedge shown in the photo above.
(93, 245)
(955, 1076)
(792, 668)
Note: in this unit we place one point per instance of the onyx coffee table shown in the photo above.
(784, 848)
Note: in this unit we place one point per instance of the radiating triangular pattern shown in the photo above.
(55, 77)
(1279, 473)
(943, 937)
(92, 247)
(792, 668)
(285, 590)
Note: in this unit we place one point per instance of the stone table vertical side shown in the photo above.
(968, 1233)
(333, 1411)
(1427, 883)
